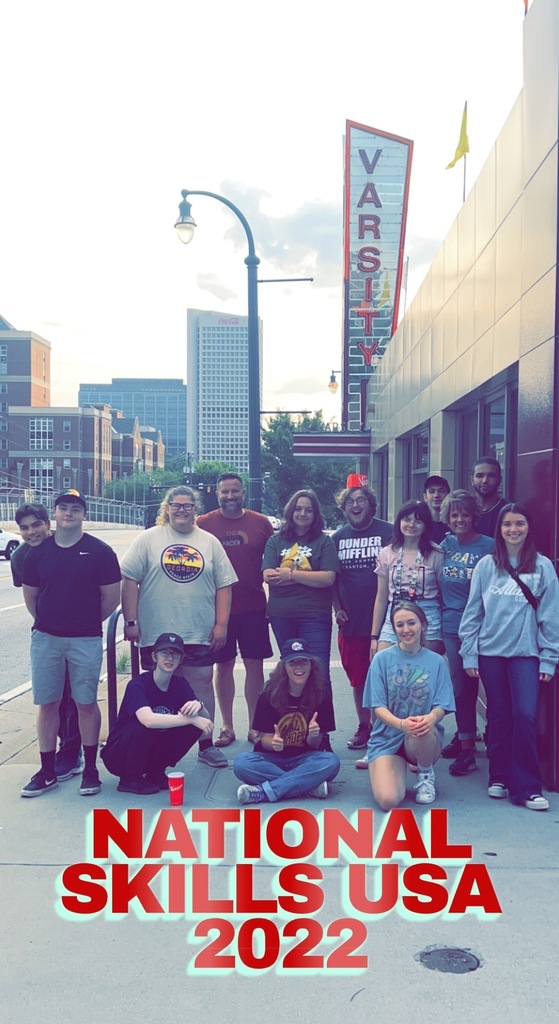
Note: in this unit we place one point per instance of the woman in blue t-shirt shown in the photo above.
(463, 547)
(290, 715)
(409, 689)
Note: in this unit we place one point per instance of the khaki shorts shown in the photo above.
(52, 655)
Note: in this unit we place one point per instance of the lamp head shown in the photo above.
(333, 384)
(185, 224)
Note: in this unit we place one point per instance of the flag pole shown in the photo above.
(464, 184)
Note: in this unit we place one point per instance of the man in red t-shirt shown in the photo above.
(243, 534)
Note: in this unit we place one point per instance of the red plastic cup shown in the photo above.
(176, 788)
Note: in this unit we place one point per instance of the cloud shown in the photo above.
(212, 284)
(422, 250)
(306, 243)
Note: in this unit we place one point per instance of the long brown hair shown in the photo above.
(277, 689)
(289, 530)
(528, 552)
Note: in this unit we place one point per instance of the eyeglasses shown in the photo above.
(180, 506)
(361, 502)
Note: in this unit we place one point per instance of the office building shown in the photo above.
(159, 403)
(217, 374)
(473, 367)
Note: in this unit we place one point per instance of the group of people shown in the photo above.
(457, 574)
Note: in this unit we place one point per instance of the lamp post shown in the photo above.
(185, 226)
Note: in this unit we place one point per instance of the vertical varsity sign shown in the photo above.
(376, 185)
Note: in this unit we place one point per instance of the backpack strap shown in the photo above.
(530, 597)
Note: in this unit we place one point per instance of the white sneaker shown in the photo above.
(320, 791)
(362, 762)
(425, 791)
(537, 802)
(497, 790)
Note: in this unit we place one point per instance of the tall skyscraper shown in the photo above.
(217, 373)
(159, 403)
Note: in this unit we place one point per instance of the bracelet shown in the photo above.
(374, 636)
(131, 622)
(401, 725)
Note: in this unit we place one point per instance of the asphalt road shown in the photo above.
(15, 623)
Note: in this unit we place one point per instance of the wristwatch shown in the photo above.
(131, 622)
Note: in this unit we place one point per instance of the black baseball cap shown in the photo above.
(296, 648)
(71, 495)
(169, 640)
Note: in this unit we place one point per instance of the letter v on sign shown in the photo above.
(370, 165)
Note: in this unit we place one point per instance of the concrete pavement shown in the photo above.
(93, 969)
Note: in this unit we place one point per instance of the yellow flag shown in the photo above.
(463, 146)
(384, 299)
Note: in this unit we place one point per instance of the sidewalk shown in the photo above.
(92, 970)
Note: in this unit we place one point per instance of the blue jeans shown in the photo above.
(284, 776)
(465, 689)
(512, 686)
(316, 631)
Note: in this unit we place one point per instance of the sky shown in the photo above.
(110, 108)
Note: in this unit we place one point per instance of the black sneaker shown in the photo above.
(139, 786)
(39, 785)
(65, 766)
(158, 779)
(452, 749)
(91, 783)
(360, 738)
(464, 764)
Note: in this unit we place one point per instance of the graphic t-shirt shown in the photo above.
(178, 576)
(296, 600)
(358, 551)
(293, 725)
(456, 576)
(244, 540)
(408, 685)
(410, 573)
(68, 579)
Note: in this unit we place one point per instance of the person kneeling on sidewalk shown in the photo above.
(409, 689)
(286, 762)
(159, 720)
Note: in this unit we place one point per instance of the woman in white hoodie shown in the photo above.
(510, 637)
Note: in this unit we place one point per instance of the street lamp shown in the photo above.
(185, 226)
(333, 384)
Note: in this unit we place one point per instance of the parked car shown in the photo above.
(8, 543)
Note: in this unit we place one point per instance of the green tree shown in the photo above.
(284, 474)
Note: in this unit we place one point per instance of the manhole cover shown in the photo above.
(449, 959)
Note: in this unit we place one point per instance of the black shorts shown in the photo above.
(197, 656)
(250, 631)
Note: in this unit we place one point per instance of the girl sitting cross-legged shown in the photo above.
(289, 714)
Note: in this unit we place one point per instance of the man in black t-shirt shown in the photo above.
(71, 583)
(486, 481)
(358, 543)
(435, 490)
(34, 525)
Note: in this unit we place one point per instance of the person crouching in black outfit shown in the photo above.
(159, 720)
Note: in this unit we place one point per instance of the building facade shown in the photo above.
(51, 448)
(473, 366)
(217, 374)
(24, 380)
(159, 403)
